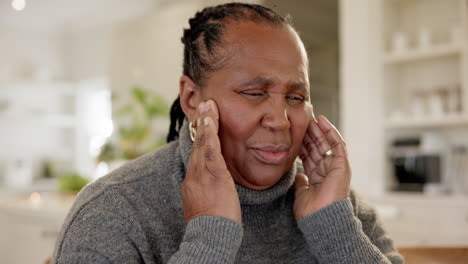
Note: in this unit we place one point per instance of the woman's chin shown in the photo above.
(259, 181)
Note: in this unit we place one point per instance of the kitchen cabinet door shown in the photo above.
(26, 240)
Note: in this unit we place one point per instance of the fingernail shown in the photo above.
(201, 107)
(198, 122)
(207, 106)
(206, 121)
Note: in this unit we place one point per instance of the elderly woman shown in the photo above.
(229, 187)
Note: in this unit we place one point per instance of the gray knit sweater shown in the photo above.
(135, 215)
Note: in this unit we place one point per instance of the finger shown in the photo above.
(200, 130)
(309, 165)
(301, 183)
(313, 149)
(198, 142)
(310, 110)
(318, 137)
(210, 122)
(207, 108)
(212, 150)
(304, 154)
(316, 178)
(198, 115)
(333, 137)
(326, 125)
(211, 110)
(196, 157)
(307, 160)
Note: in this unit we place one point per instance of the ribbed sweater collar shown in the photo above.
(247, 196)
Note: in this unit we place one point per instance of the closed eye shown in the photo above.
(254, 93)
(295, 98)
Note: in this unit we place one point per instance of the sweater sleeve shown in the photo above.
(99, 233)
(209, 239)
(339, 234)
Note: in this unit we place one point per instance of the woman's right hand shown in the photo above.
(208, 188)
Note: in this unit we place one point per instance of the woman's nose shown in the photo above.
(276, 115)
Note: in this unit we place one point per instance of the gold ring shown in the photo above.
(329, 153)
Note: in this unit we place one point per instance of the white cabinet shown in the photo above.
(387, 66)
(47, 109)
(404, 73)
(29, 229)
(424, 74)
(39, 121)
(27, 240)
(62, 122)
(424, 221)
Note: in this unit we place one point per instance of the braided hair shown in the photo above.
(202, 45)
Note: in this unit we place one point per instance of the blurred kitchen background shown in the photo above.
(86, 85)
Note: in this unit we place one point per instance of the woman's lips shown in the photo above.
(271, 155)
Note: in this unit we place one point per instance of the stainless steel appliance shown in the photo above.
(412, 168)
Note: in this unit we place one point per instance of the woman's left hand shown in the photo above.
(327, 173)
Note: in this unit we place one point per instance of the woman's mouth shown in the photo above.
(271, 155)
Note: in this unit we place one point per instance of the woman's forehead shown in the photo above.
(250, 41)
(249, 32)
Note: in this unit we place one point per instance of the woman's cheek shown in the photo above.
(303, 115)
(300, 119)
(309, 111)
(236, 119)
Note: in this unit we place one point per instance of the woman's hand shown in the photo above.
(208, 188)
(327, 177)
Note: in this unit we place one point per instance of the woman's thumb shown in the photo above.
(301, 182)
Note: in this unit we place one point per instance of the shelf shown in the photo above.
(417, 55)
(53, 87)
(56, 120)
(45, 205)
(447, 121)
(63, 121)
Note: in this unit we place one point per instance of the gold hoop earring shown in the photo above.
(193, 131)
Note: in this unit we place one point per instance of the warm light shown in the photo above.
(96, 144)
(18, 5)
(101, 169)
(35, 198)
(108, 128)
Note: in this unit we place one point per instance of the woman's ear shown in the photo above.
(189, 97)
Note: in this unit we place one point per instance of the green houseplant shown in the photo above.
(72, 182)
(136, 133)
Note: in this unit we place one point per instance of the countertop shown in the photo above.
(40, 199)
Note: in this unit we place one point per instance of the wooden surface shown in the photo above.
(428, 255)
(439, 255)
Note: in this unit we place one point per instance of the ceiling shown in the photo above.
(319, 16)
(51, 15)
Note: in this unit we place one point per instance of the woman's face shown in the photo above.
(263, 99)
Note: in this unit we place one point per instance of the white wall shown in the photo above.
(148, 51)
(360, 113)
(30, 56)
(25, 54)
(324, 85)
(87, 52)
